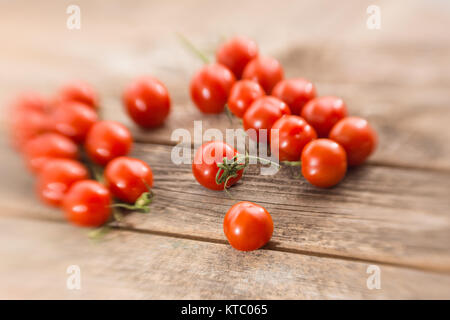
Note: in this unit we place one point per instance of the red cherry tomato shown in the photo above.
(27, 118)
(107, 140)
(57, 177)
(293, 134)
(147, 102)
(357, 137)
(323, 113)
(73, 120)
(39, 150)
(324, 163)
(262, 114)
(295, 92)
(78, 91)
(247, 226)
(264, 70)
(205, 163)
(242, 95)
(210, 88)
(29, 101)
(236, 53)
(87, 204)
(128, 178)
(24, 126)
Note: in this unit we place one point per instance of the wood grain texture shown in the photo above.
(410, 117)
(386, 76)
(393, 212)
(383, 214)
(143, 266)
(412, 132)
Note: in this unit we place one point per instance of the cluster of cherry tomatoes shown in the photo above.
(304, 129)
(53, 135)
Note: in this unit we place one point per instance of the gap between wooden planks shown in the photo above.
(384, 76)
(412, 126)
(377, 214)
(36, 255)
(405, 96)
(407, 105)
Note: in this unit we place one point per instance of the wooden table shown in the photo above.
(392, 212)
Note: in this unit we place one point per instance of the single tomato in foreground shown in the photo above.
(57, 177)
(242, 95)
(107, 140)
(205, 167)
(236, 53)
(266, 71)
(357, 137)
(79, 91)
(262, 114)
(210, 87)
(323, 113)
(247, 226)
(73, 119)
(147, 102)
(288, 137)
(128, 178)
(42, 148)
(324, 163)
(87, 204)
(295, 92)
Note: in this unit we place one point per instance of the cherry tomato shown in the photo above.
(147, 102)
(107, 140)
(28, 102)
(295, 92)
(242, 95)
(210, 88)
(73, 120)
(262, 114)
(205, 163)
(293, 134)
(24, 126)
(247, 226)
(323, 113)
(128, 178)
(79, 91)
(236, 53)
(324, 163)
(264, 70)
(87, 204)
(39, 150)
(357, 137)
(27, 118)
(57, 177)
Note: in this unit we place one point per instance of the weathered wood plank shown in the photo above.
(412, 127)
(386, 76)
(391, 215)
(36, 255)
(397, 77)
(381, 213)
